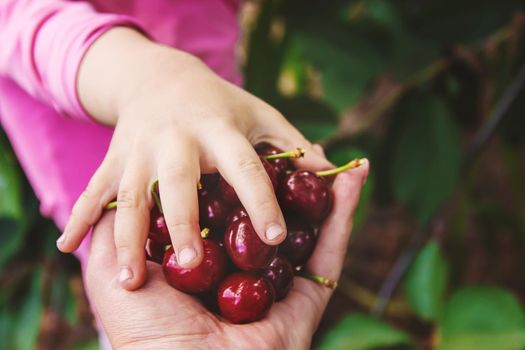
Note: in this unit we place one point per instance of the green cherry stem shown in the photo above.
(296, 153)
(320, 279)
(350, 165)
(205, 232)
(155, 194)
(111, 205)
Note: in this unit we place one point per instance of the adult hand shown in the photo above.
(158, 316)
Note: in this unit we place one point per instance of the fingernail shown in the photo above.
(186, 255)
(125, 274)
(61, 239)
(274, 231)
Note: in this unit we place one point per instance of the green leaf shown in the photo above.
(362, 332)
(28, 319)
(426, 156)
(265, 56)
(314, 119)
(92, 345)
(7, 325)
(11, 239)
(346, 72)
(483, 318)
(426, 282)
(13, 233)
(466, 21)
(10, 185)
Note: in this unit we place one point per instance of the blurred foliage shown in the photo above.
(440, 233)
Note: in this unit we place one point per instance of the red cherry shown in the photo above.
(155, 251)
(158, 230)
(280, 275)
(201, 278)
(236, 214)
(212, 210)
(281, 165)
(299, 242)
(306, 195)
(246, 250)
(209, 182)
(227, 192)
(244, 297)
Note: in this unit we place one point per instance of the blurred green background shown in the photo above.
(432, 93)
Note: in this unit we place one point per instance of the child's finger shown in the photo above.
(285, 136)
(178, 176)
(241, 167)
(132, 223)
(88, 207)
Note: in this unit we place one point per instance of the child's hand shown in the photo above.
(175, 119)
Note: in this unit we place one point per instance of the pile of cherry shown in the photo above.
(240, 276)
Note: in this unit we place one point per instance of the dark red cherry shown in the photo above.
(201, 278)
(243, 297)
(246, 250)
(209, 182)
(155, 251)
(299, 242)
(280, 275)
(158, 230)
(306, 195)
(281, 165)
(236, 214)
(212, 210)
(228, 194)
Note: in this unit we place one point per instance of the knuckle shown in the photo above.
(122, 246)
(250, 167)
(81, 216)
(175, 171)
(267, 206)
(180, 226)
(127, 199)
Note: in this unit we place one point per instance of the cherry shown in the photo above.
(236, 214)
(246, 250)
(155, 251)
(280, 165)
(158, 230)
(208, 182)
(306, 195)
(228, 193)
(201, 278)
(212, 210)
(299, 243)
(243, 297)
(280, 275)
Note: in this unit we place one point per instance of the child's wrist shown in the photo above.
(122, 64)
(158, 68)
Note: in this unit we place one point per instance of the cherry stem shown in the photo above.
(296, 153)
(111, 205)
(350, 165)
(320, 279)
(205, 232)
(155, 195)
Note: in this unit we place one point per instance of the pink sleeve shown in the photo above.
(43, 43)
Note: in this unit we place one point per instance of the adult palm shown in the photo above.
(159, 317)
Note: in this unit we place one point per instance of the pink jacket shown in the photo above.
(41, 45)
